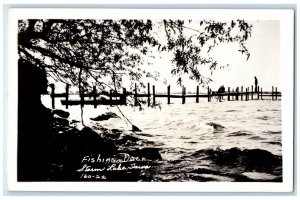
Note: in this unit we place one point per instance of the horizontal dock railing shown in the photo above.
(114, 98)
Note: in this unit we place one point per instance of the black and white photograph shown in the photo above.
(151, 99)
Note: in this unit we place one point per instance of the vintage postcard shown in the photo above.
(150, 100)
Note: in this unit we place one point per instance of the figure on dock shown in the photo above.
(218, 93)
(255, 83)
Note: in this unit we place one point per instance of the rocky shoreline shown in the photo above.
(71, 147)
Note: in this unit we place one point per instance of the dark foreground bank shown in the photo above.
(65, 153)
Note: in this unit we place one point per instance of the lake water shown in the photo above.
(206, 141)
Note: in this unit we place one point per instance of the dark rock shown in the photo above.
(135, 129)
(114, 134)
(61, 113)
(74, 121)
(61, 121)
(105, 116)
(129, 138)
(114, 115)
(116, 131)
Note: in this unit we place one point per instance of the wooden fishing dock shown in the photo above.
(114, 98)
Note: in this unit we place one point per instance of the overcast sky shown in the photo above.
(264, 62)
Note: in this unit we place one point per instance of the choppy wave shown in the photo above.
(254, 158)
(263, 117)
(273, 143)
(239, 133)
(231, 110)
(217, 127)
(257, 138)
(272, 132)
(229, 165)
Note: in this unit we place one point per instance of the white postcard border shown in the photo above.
(286, 18)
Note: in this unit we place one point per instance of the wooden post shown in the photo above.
(197, 94)
(246, 98)
(248, 93)
(275, 93)
(153, 88)
(82, 99)
(251, 92)
(95, 96)
(124, 96)
(169, 93)
(183, 95)
(110, 97)
(208, 95)
(228, 93)
(52, 95)
(149, 95)
(135, 95)
(237, 94)
(242, 93)
(261, 94)
(257, 92)
(67, 95)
